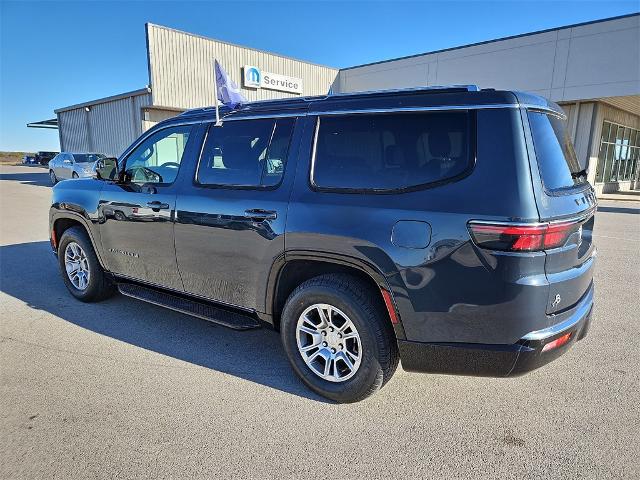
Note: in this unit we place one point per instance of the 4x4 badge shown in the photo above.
(556, 301)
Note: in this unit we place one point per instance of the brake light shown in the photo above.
(522, 238)
(558, 342)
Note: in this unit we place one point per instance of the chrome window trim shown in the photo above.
(580, 217)
(488, 106)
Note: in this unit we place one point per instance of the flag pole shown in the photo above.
(215, 93)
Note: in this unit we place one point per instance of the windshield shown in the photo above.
(557, 161)
(87, 157)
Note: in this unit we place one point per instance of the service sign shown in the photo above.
(253, 77)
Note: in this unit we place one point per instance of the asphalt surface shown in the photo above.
(123, 389)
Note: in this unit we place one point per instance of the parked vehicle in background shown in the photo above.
(450, 228)
(29, 160)
(43, 158)
(67, 165)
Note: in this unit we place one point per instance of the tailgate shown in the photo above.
(567, 202)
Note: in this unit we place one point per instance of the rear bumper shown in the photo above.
(498, 360)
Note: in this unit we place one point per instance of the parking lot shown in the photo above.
(124, 389)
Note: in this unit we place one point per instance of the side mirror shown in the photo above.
(68, 161)
(106, 168)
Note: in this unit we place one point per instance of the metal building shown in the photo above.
(181, 76)
(591, 69)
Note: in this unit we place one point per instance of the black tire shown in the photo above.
(99, 286)
(74, 175)
(53, 177)
(365, 309)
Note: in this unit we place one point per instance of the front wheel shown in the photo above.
(53, 177)
(74, 175)
(338, 337)
(81, 271)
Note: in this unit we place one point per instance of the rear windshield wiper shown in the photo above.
(581, 173)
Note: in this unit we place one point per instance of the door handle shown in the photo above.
(156, 205)
(259, 215)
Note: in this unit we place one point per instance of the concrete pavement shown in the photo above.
(123, 389)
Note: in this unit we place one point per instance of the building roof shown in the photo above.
(134, 93)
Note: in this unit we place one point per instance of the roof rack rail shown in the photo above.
(434, 88)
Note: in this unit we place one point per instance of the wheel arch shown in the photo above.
(294, 268)
(62, 222)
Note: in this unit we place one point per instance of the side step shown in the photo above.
(195, 308)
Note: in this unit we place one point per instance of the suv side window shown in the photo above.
(391, 151)
(246, 153)
(157, 159)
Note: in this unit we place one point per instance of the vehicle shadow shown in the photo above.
(606, 209)
(30, 273)
(39, 179)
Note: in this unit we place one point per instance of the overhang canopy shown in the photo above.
(52, 123)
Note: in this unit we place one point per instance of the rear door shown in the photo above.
(567, 201)
(231, 218)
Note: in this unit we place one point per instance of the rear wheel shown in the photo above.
(338, 337)
(53, 177)
(81, 271)
(74, 175)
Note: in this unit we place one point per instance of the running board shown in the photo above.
(195, 308)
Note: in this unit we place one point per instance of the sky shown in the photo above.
(54, 54)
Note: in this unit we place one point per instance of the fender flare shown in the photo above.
(327, 257)
(58, 213)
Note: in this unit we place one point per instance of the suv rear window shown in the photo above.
(557, 161)
(390, 151)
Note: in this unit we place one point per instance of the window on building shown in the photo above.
(619, 156)
(249, 153)
(381, 152)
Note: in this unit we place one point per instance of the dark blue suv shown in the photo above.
(449, 228)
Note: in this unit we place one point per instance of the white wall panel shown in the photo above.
(574, 63)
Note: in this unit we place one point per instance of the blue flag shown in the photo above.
(228, 92)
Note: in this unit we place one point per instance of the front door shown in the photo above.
(230, 223)
(64, 166)
(137, 214)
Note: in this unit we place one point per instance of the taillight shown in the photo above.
(558, 342)
(522, 238)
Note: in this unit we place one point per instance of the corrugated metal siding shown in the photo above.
(73, 131)
(181, 69)
(108, 127)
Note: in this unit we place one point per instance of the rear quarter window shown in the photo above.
(559, 167)
(388, 152)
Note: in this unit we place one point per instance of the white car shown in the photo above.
(72, 165)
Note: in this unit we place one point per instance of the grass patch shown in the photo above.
(12, 158)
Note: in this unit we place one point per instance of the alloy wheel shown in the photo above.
(76, 264)
(329, 342)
